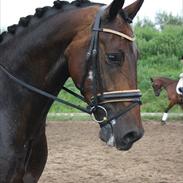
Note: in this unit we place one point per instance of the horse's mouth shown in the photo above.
(122, 147)
(123, 143)
(126, 145)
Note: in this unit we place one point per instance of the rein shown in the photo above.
(97, 100)
(46, 94)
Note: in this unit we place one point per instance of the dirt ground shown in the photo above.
(76, 155)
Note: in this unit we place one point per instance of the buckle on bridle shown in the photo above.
(132, 96)
(99, 107)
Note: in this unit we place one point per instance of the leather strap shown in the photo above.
(44, 93)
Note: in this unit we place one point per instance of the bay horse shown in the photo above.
(89, 42)
(159, 83)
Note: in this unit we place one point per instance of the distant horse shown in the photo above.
(159, 83)
(91, 43)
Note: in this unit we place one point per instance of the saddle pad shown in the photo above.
(179, 85)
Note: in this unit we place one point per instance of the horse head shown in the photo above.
(103, 65)
(157, 86)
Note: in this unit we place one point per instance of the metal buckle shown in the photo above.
(93, 116)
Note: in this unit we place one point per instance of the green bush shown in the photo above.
(152, 42)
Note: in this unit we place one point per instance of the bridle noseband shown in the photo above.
(98, 99)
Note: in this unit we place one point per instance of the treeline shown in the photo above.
(164, 37)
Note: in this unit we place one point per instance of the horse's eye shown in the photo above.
(115, 58)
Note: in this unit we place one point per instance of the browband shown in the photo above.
(116, 33)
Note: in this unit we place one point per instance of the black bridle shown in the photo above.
(98, 99)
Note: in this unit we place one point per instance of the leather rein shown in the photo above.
(97, 100)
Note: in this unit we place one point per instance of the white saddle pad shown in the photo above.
(179, 84)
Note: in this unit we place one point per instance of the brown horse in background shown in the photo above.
(159, 83)
(91, 43)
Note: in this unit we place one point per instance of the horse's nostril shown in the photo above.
(130, 137)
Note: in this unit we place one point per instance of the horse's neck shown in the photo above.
(41, 46)
(166, 82)
(37, 54)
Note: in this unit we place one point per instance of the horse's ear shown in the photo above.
(151, 80)
(133, 8)
(113, 9)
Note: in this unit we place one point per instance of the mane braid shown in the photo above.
(59, 4)
(39, 12)
(24, 21)
(12, 28)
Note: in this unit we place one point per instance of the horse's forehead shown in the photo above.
(121, 25)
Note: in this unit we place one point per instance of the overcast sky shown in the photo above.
(12, 10)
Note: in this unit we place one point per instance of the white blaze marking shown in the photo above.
(111, 141)
(90, 75)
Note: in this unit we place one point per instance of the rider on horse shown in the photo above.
(179, 88)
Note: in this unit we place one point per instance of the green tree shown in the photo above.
(144, 23)
(162, 19)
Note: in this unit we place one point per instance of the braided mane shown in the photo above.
(39, 13)
(57, 5)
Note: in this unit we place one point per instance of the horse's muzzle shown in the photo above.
(126, 142)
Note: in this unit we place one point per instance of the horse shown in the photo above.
(159, 83)
(94, 45)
